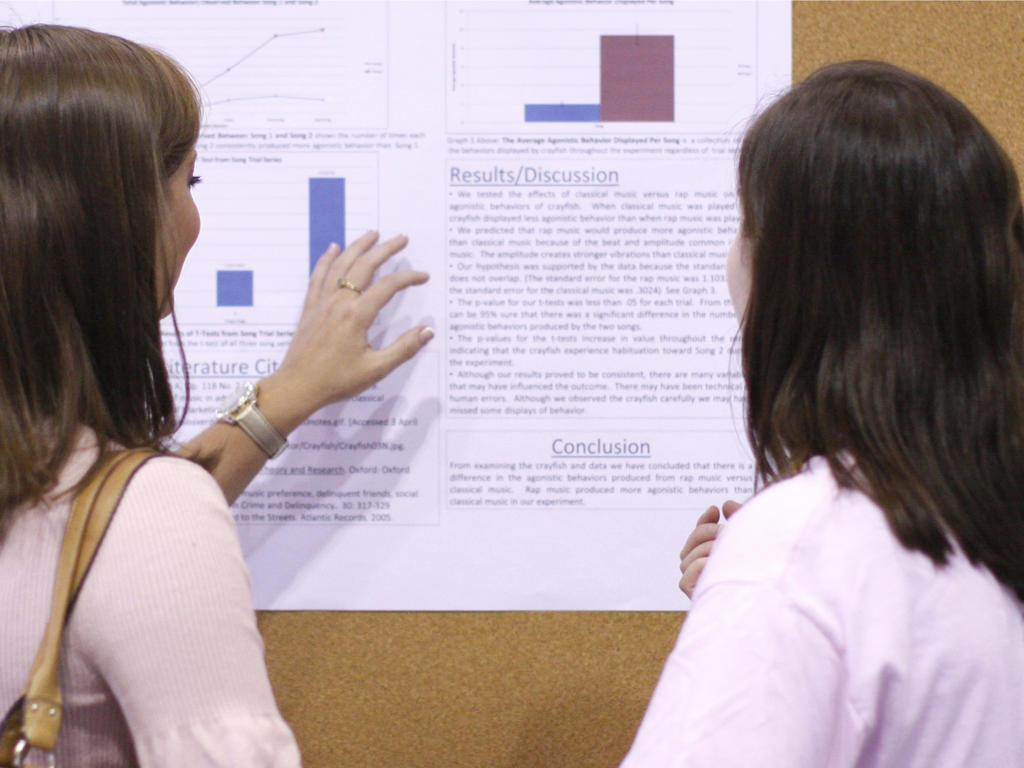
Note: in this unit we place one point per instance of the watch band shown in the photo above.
(263, 433)
(241, 409)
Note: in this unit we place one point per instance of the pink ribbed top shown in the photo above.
(163, 664)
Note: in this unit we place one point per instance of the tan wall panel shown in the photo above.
(446, 690)
(974, 49)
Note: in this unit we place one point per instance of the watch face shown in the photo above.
(241, 397)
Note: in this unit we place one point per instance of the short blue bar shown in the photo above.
(563, 113)
(326, 216)
(234, 288)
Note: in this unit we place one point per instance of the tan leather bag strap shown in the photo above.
(90, 514)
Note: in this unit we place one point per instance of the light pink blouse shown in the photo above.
(816, 640)
(163, 664)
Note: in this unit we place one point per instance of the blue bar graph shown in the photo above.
(563, 113)
(234, 288)
(326, 216)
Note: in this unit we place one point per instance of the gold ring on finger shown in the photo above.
(343, 283)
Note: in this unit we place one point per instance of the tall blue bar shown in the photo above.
(234, 288)
(326, 216)
(563, 113)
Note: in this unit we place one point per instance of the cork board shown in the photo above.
(525, 690)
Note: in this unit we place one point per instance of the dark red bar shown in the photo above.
(638, 78)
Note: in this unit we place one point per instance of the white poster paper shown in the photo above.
(565, 172)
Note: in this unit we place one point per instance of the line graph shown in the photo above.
(267, 97)
(258, 48)
(264, 65)
(262, 97)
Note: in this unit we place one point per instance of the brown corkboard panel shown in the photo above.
(525, 690)
(465, 690)
(973, 49)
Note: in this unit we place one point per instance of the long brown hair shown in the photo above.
(91, 126)
(884, 329)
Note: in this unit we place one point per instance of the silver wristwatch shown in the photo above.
(240, 409)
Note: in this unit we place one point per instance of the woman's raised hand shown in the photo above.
(695, 552)
(330, 357)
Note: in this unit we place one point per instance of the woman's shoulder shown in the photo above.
(172, 532)
(172, 501)
(162, 472)
(170, 510)
(794, 524)
(168, 478)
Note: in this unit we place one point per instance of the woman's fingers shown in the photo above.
(352, 270)
(358, 263)
(696, 550)
(362, 270)
(691, 573)
(699, 543)
(703, 534)
(386, 359)
(383, 290)
(320, 270)
(729, 508)
(709, 515)
(704, 529)
(701, 551)
(335, 263)
(355, 250)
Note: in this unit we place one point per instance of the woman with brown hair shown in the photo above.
(162, 663)
(864, 608)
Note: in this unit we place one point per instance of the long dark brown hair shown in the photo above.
(884, 328)
(91, 126)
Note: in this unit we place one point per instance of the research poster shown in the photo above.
(565, 172)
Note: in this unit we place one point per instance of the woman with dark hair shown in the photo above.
(162, 663)
(864, 608)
